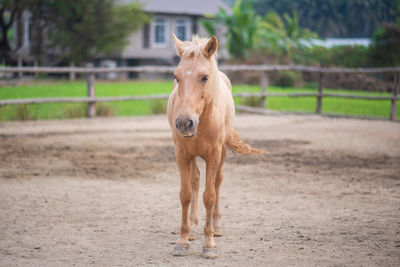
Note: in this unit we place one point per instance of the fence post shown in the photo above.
(319, 97)
(264, 86)
(36, 64)
(72, 73)
(91, 106)
(393, 105)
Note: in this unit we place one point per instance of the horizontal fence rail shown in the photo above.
(170, 69)
(80, 99)
(164, 96)
(91, 99)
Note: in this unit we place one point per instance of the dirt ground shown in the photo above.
(105, 192)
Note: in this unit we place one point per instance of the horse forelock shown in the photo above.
(194, 49)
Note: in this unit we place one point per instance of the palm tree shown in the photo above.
(241, 23)
(283, 36)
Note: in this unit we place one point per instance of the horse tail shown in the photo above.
(237, 146)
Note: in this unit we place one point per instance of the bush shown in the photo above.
(158, 106)
(80, 110)
(75, 111)
(22, 113)
(287, 79)
(104, 110)
(252, 101)
(385, 50)
(337, 56)
(244, 77)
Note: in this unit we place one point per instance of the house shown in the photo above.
(152, 44)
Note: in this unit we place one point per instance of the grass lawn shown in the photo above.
(374, 108)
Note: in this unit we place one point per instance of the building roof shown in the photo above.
(181, 7)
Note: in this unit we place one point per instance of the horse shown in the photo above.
(200, 114)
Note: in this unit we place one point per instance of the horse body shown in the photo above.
(200, 113)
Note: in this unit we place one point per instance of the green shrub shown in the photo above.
(287, 79)
(104, 110)
(22, 113)
(312, 85)
(252, 101)
(80, 110)
(75, 111)
(158, 106)
(337, 56)
(385, 51)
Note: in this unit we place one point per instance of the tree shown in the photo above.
(40, 20)
(335, 18)
(385, 47)
(242, 25)
(92, 27)
(80, 28)
(8, 11)
(283, 37)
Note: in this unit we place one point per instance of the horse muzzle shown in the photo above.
(186, 126)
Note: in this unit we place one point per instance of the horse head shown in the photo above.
(196, 77)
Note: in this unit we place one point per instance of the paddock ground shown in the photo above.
(105, 192)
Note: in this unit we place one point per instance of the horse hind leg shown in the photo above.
(217, 210)
(194, 209)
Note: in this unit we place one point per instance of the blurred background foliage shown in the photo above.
(241, 24)
(335, 18)
(256, 32)
(268, 31)
(93, 27)
(284, 32)
(81, 28)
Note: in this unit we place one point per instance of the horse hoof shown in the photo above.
(218, 231)
(193, 235)
(210, 253)
(180, 250)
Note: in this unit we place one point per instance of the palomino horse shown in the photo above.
(200, 114)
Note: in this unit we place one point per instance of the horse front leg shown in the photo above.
(209, 196)
(194, 209)
(182, 245)
(217, 208)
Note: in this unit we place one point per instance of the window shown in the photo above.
(159, 32)
(181, 29)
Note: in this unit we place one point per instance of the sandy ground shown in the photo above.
(105, 192)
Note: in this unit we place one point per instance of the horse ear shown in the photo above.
(178, 45)
(211, 47)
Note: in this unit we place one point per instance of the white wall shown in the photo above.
(135, 47)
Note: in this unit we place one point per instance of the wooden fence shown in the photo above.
(91, 98)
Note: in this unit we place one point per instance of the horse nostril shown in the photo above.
(190, 124)
(185, 124)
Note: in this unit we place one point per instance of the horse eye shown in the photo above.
(204, 79)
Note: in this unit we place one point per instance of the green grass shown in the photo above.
(78, 89)
(373, 108)
(332, 105)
